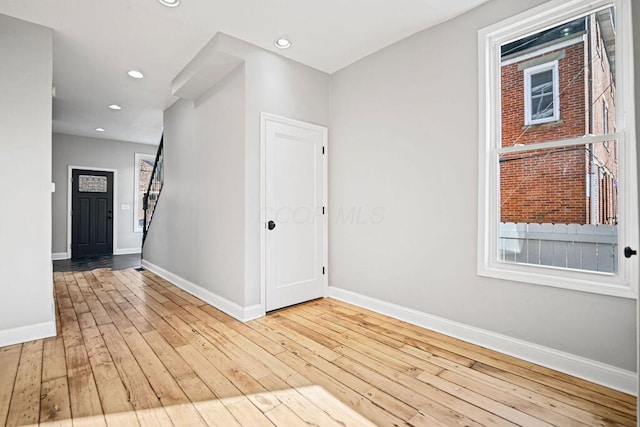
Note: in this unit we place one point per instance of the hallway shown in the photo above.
(133, 349)
(113, 262)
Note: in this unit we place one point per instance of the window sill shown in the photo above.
(550, 123)
(591, 282)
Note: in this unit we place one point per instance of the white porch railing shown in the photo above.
(582, 247)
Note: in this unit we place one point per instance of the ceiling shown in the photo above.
(97, 41)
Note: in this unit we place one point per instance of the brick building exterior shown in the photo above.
(566, 185)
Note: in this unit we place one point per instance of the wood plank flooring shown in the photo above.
(134, 350)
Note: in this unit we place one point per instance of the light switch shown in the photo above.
(125, 207)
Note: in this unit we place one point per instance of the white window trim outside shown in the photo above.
(553, 65)
(490, 39)
(136, 186)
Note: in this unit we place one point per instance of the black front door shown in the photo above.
(92, 213)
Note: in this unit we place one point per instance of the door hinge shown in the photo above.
(323, 150)
(323, 269)
(323, 210)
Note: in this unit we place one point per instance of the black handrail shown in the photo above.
(152, 194)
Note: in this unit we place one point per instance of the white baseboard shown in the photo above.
(57, 256)
(253, 312)
(243, 314)
(597, 372)
(127, 251)
(27, 333)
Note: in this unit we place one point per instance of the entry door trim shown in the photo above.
(70, 195)
(264, 118)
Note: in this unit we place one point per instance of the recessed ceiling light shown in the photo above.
(135, 74)
(99, 130)
(283, 43)
(170, 3)
(115, 107)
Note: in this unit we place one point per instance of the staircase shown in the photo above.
(152, 194)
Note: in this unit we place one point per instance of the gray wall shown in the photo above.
(212, 175)
(279, 86)
(100, 153)
(404, 153)
(198, 226)
(403, 157)
(25, 179)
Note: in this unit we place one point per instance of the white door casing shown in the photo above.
(294, 212)
(70, 169)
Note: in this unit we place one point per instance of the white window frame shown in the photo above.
(528, 120)
(623, 284)
(136, 186)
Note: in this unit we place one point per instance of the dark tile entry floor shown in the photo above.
(114, 262)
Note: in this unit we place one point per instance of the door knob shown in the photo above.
(628, 252)
(271, 225)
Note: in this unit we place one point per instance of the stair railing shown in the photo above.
(152, 194)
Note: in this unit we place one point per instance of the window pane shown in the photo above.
(145, 168)
(584, 49)
(559, 207)
(542, 82)
(541, 106)
(92, 184)
(542, 95)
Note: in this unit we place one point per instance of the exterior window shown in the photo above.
(541, 94)
(558, 203)
(143, 169)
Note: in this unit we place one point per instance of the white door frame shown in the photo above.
(264, 117)
(115, 204)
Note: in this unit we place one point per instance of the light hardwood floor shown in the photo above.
(135, 350)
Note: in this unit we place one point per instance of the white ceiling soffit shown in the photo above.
(97, 41)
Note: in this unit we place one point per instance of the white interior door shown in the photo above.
(294, 211)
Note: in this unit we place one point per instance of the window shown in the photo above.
(541, 94)
(92, 184)
(143, 169)
(558, 204)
